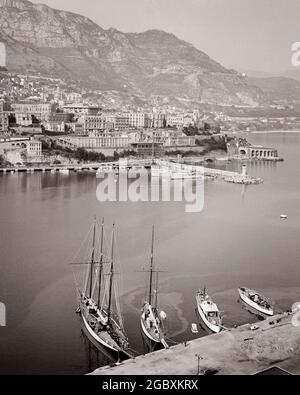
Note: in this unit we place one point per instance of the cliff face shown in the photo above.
(149, 64)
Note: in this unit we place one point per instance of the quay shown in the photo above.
(213, 173)
(225, 175)
(81, 167)
(247, 349)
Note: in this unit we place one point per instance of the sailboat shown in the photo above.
(152, 318)
(98, 302)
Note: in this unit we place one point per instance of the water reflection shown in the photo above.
(237, 239)
(96, 355)
(148, 345)
(260, 316)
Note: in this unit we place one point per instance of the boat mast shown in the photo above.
(151, 267)
(156, 292)
(92, 259)
(101, 262)
(111, 274)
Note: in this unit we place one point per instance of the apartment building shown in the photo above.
(92, 123)
(3, 120)
(25, 110)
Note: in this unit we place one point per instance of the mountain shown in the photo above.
(62, 44)
(256, 73)
(280, 89)
(293, 73)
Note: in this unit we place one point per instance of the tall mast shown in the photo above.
(92, 259)
(111, 274)
(101, 262)
(156, 292)
(151, 267)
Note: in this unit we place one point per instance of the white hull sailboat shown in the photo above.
(209, 311)
(101, 338)
(152, 318)
(256, 301)
(98, 301)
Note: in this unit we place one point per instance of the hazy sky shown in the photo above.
(248, 34)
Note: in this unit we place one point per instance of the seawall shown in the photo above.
(242, 350)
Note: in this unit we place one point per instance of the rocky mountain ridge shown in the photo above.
(40, 39)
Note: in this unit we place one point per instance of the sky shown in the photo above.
(240, 34)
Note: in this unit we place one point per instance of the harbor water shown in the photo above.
(238, 239)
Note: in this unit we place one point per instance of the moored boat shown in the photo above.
(152, 317)
(209, 311)
(98, 300)
(64, 171)
(256, 300)
(194, 328)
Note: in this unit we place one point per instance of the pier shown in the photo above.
(247, 349)
(127, 164)
(213, 173)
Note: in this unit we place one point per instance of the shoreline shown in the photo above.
(238, 351)
(274, 131)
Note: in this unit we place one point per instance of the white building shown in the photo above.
(73, 97)
(137, 119)
(26, 109)
(106, 141)
(23, 119)
(92, 122)
(188, 120)
(3, 119)
(34, 148)
(157, 120)
(175, 120)
(81, 109)
(170, 138)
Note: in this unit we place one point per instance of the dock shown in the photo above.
(247, 349)
(92, 167)
(127, 164)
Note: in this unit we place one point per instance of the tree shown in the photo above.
(207, 126)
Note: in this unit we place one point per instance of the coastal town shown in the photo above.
(44, 123)
(149, 189)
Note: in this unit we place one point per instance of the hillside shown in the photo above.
(280, 89)
(144, 66)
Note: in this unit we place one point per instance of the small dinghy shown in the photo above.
(283, 216)
(194, 328)
(256, 300)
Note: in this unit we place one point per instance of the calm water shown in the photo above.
(238, 239)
